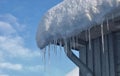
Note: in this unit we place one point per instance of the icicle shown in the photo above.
(89, 35)
(42, 57)
(49, 52)
(54, 47)
(70, 43)
(117, 3)
(108, 28)
(60, 45)
(112, 17)
(44, 54)
(76, 40)
(73, 42)
(86, 35)
(60, 48)
(102, 34)
(65, 46)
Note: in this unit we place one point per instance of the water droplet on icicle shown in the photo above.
(102, 34)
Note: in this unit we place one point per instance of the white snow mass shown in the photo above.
(71, 17)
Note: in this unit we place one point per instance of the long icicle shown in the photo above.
(86, 35)
(102, 34)
(65, 46)
(49, 52)
(44, 54)
(60, 48)
(89, 35)
(54, 47)
(73, 42)
(108, 27)
(77, 41)
(42, 57)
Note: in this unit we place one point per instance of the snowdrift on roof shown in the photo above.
(70, 17)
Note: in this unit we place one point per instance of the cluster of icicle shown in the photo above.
(60, 45)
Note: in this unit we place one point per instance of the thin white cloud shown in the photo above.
(9, 18)
(74, 72)
(5, 28)
(14, 46)
(35, 68)
(4, 75)
(19, 67)
(10, 66)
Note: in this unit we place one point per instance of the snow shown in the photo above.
(71, 17)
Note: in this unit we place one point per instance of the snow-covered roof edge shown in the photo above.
(73, 16)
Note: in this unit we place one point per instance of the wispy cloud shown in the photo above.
(4, 75)
(5, 28)
(14, 47)
(11, 44)
(34, 68)
(19, 67)
(10, 66)
(10, 19)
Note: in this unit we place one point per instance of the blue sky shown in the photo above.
(19, 54)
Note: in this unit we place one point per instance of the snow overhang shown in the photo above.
(72, 18)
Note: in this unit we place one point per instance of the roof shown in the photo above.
(73, 17)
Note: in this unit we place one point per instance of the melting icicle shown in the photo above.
(44, 58)
(45, 50)
(60, 47)
(102, 34)
(108, 28)
(112, 17)
(76, 41)
(65, 46)
(70, 43)
(54, 48)
(49, 52)
(117, 3)
(73, 42)
(89, 35)
(86, 35)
